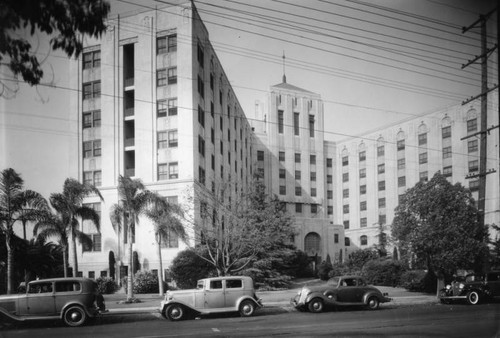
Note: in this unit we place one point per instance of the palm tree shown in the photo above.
(69, 204)
(134, 199)
(116, 217)
(54, 227)
(165, 221)
(16, 204)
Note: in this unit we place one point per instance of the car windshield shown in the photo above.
(333, 281)
(199, 286)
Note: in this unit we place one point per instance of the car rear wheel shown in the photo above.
(473, 298)
(75, 316)
(315, 305)
(175, 312)
(373, 303)
(247, 308)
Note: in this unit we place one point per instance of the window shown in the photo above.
(447, 152)
(92, 177)
(347, 241)
(296, 124)
(345, 161)
(362, 156)
(448, 171)
(91, 119)
(363, 222)
(212, 81)
(381, 202)
(472, 146)
(96, 243)
(329, 194)
(329, 179)
(161, 77)
(201, 175)
(422, 139)
(92, 59)
(345, 193)
(346, 224)
(313, 176)
(260, 155)
(382, 219)
(172, 107)
(401, 181)
(161, 108)
(473, 165)
(234, 284)
(168, 171)
(282, 189)
(423, 176)
(282, 173)
(345, 208)
(472, 125)
(330, 210)
(362, 205)
(381, 185)
(329, 163)
(422, 158)
(281, 156)
(362, 173)
(166, 44)
(314, 209)
(212, 135)
(87, 177)
(201, 145)
(446, 132)
(162, 139)
(381, 168)
(201, 116)
(68, 286)
(362, 189)
(298, 208)
(474, 185)
(401, 163)
(313, 192)
(401, 145)
(91, 148)
(345, 177)
(363, 240)
(201, 56)
(297, 157)
(97, 178)
(311, 125)
(92, 90)
(172, 75)
(280, 121)
(298, 191)
(312, 159)
(201, 87)
(380, 151)
(216, 284)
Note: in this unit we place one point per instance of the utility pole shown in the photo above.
(484, 131)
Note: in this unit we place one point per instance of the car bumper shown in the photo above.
(296, 303)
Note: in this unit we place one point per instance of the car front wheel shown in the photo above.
(473, 298)
(247, 308)
(75, 316)
(175, 312)
(315, 305)
(373, 303)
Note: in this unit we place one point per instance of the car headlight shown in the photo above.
(448, 287)
(461, 285)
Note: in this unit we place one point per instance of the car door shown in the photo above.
(349, 291)
(494, 283)
(40, 299)
(214, 295)
(69, 291)
(233, 291)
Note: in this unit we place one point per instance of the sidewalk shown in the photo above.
(151, 302)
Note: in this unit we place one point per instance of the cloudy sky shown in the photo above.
(374, 62)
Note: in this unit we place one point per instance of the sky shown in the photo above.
(374, 63)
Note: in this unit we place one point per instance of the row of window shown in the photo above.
(296, 123)
(299, 208)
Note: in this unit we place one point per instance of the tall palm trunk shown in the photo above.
(130, 292)
(65, 260)
(160, 271)
(75, 259)
(10, 263)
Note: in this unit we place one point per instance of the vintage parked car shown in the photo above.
(474, 288)
(74, 300)
(337, 292)
(212, 295)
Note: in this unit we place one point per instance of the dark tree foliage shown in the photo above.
(188, 267)
(111, 263)
(64, 20)
(438, 223)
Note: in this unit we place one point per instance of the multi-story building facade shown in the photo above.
(376, 168)
(297, 165)
(156, 105)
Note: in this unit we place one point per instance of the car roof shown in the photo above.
(227, 277)
(63, 279)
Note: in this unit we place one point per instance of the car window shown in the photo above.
(493, 277)
(68, 286)
(199, 286)
(234, 284)
(40, 288)
(216, 284)
(349, 282)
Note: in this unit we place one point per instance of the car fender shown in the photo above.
(243, 298)
(315, 294)
(166, 304)
(80, 304)
(371, 294)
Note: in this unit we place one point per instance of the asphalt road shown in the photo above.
(429, 320)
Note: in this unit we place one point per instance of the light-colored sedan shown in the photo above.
(73, 300)
(338, 292)
(212, 295)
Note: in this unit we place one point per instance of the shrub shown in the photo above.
(106, 285)
(324, 269)
(187, 268)
(413, 280)
(146, 281)
(384, 272)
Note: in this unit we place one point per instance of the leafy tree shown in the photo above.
(188, 267)
(495, 249)
(69, 205)
(134, 201)
(66, 21)
(16, 204)
(166, 222)
(235, 233)
(438, 223)
(359, 258)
